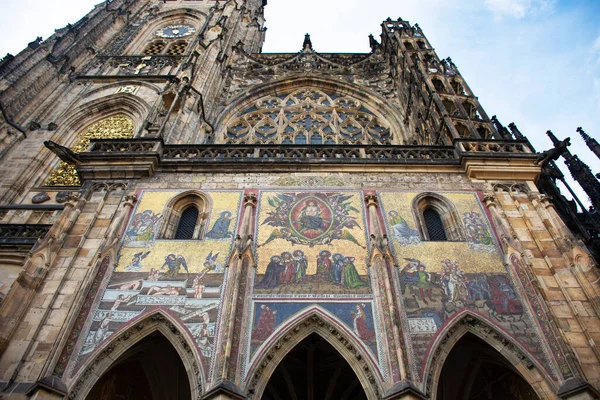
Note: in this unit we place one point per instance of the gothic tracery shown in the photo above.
(308, 116)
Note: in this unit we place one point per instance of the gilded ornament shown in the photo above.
(115, 127)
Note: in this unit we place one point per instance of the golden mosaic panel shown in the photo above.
(484, 259)
(316, 239)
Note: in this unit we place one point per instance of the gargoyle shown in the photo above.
(553, 154)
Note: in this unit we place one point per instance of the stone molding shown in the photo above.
(314, 321)
(110, 351)
(521, 360)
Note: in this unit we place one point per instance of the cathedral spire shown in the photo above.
(590, 141)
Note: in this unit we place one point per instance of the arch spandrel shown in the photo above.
(109, 352)
(313, 320)
(309, 111)
(526, 364)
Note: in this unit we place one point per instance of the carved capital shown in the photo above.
(371, 200)
(250, 200)
(489, 198)
(130, 200)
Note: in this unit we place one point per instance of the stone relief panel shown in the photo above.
(184, 277)
(438, 279)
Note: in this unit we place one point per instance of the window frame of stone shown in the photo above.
(176, 207)
(447, 212)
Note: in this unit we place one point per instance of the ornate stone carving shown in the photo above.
(115, 127)
(307, 116)
(473, 324)
(154, 322)
(312, 323)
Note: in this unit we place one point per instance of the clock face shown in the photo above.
(175, 31)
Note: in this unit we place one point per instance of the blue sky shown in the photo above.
(534, 62)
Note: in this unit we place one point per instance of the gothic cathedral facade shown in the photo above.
(185, 217)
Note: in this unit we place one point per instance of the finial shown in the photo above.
(515, 131)
(552, 137)
(373, 43)
(584, 135)
(307, 45)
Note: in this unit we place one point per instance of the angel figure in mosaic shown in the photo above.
(210, 264)
(414, 274)
(137, 258)
(174, 264)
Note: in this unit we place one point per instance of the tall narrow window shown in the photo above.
(434, 225)
(187, 223)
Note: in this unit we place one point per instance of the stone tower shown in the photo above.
(185, 217)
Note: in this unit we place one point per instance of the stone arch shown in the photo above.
(196, 18)
(378, 107)
(314, 320)
(518, 357)
(95, 110)
(177, 205)
(110, 351)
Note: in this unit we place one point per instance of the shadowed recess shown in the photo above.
(150, 370)
(314, 370)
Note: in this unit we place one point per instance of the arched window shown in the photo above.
(187, 223)
(185, 217)
(307, 115)
(484, 133)
(408, 45)
(434, 225)
(450, 107)
(116, 127)
(436, 218)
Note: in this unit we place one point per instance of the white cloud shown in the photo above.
(518, 8)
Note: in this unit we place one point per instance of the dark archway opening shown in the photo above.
(314, 370)
(150, 370)
(476, 371)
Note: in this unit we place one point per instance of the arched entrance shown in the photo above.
(474, 370)
(150, 370)
(314, 370)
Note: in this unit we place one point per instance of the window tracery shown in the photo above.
(308, 116)
(115, 127)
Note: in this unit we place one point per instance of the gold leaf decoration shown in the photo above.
(116, 127)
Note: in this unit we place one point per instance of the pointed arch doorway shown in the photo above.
(314, 370)
(476, 371)
(150, 370)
